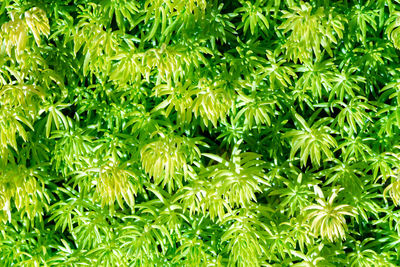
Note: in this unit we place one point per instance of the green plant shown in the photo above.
(199, 133)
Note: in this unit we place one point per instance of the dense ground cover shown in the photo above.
(199, 133)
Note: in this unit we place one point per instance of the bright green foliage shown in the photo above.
(308, 28)
(238, 179)
(23, 190)
(327, 219)
(169, 158)
(311, 141)
(199, 133)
